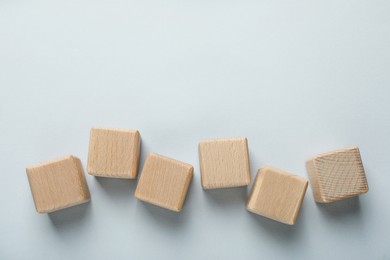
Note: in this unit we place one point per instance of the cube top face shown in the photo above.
(58, 184)
(164, 182)
(224, 163)
(277, 195)
(337, 175)
(114, 153)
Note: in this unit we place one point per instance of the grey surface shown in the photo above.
(296, 78)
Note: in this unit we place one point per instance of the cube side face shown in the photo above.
(83, 181)
(314, 184)
(254, 192)
(340, 174)
(224, 163)
(164, 182)
(58, 184)
(277, 195)
(114, 153)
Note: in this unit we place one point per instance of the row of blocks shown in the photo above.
(224, 163)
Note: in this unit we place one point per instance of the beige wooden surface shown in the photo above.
(224, 163)
(58, 184)
(114, 153)
(337, 175)
(277, 195)
(164, 182)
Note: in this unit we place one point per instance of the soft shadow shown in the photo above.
(74, 216)
(272, 228)
(167, 218)
(341, 209)
(227, 196)
(117, 189)
(144, 151)
(283, 233)
(254, 168)
(163, 217)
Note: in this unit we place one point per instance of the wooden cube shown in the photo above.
(337, 175)
(277, 195)
(164, 182)
(58, 184)
(114, 153)
(224, 163)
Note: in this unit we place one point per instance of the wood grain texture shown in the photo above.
(164, 182)
(337, 175)
(224, 163)
(114, 153)
(277, 195)
(58, 184)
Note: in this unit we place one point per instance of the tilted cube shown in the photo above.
(337, 175)
(164, 182)
(58, 184)
(224, 163)
(277, 195)
(114, 153)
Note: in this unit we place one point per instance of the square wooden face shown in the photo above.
(58, 184)
(277, 195)
(164, 182)
(337, 175)
(224, 163)
(114, 153)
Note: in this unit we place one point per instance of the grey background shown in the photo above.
(295, 77)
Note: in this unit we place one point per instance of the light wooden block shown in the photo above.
(337, 175)
(277, 195)
(224, 163)
(58, 184)
(164, 182)
(114, 153)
